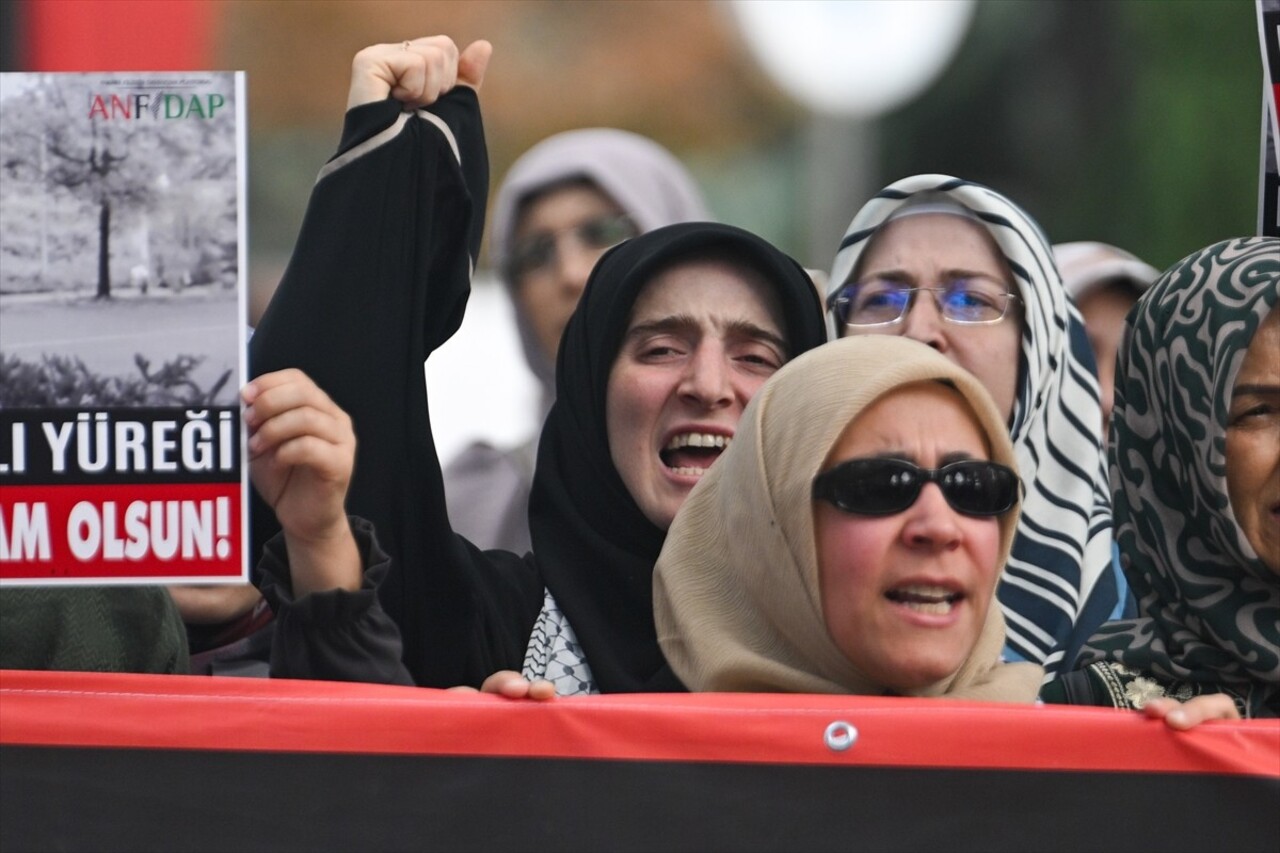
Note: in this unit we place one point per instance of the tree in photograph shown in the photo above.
(83, 150)
(96, 168)
(53, 149)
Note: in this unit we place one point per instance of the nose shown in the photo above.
(706, 379)
(924, 321)
(931, 523)
(573, 266)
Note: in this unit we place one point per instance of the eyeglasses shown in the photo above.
(538, 251)
(889, 486)
(971, 301)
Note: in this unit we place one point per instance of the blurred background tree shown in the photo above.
(1131, 121)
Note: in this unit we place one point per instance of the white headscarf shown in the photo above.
(1086, 264)
(737, 596)
(1059, 584)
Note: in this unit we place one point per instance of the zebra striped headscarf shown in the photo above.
(1060, 583)
(1210, 608)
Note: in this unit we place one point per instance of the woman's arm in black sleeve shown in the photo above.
(335, 635)
(379, 279)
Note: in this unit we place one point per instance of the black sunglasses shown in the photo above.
(888, 486)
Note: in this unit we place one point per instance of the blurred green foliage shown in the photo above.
(1135, 122)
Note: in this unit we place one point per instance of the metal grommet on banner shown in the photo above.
(839, 736)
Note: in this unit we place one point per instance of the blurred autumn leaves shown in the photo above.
(670, 64)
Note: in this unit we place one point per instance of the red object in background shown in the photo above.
(121, 35)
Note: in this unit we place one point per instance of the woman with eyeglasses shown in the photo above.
(561, 205)
(1195, 464)
(851, 539)
(963, 269)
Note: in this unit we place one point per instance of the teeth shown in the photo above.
(937, 608)
(933, 593)
(697, 439)
(689, 472)
(925, 598)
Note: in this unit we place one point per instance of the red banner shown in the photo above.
(94, 761)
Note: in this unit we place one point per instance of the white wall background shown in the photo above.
(479, 385)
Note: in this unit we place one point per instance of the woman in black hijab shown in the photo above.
(361, 308)
(595, 546)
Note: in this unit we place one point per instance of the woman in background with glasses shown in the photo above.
(562, 204)
(851, 538)
(959, 267)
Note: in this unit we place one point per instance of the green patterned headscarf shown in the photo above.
(1209, 607)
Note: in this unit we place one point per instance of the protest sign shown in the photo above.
(1269, 173)
(122, 339)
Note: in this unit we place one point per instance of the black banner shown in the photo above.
(109, 799)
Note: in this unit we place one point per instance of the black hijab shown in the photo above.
(594, 547)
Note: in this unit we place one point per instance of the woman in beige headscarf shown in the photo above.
(811, 559)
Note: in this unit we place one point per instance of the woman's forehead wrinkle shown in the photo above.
(730, 326)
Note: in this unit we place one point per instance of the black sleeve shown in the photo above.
(1078, 687)
(379, 278)
(335, 635)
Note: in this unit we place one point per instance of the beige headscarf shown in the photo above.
(736, 591)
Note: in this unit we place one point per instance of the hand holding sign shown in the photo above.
(302, 450)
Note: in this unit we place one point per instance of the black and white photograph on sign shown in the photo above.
(121, 255)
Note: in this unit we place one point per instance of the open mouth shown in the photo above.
(690, 454)
(934, 600)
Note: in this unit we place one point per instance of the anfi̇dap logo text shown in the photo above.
(159, 106)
